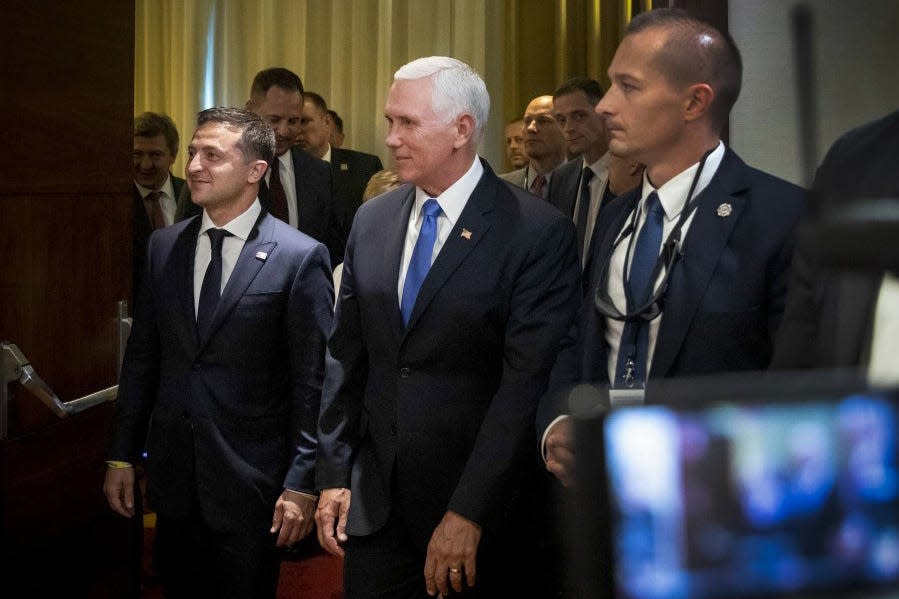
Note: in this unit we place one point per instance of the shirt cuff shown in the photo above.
(546, 434)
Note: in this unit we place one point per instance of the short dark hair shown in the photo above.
(257, 138)
(591, 88)
(317, 100)
(151, 124)
(338, 122)
(277, 76)
(696, 52)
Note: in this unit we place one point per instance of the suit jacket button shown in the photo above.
(405, 372)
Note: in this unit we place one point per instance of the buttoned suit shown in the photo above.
(228, 420)
(829, 318)
(726, 294)
(436, 416)
(316, 207)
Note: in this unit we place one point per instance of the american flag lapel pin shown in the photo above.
(344, 166)
(466, 234)
(261, 256)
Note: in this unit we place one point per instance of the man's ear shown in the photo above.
(698, 101)
(465, 130)
(257, 171)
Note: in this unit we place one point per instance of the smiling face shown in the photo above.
(219, 176)
(584, 130)
(283, 110)
(643, 109)
(425, 147)
(152, 161)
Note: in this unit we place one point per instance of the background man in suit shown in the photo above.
(841, 317)
(155, 188)
(515, 144)
(544, 145)
(337, 136)
(456, 289)
(230, 385)
(299, 191)
(674, 81)
(350, 170)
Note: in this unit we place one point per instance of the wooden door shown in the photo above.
(66, 104)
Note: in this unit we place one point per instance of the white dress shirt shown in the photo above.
(289, 183)
(167, 199)
(452, 202)
(240, 229)
(884, 363)
(597, 185)
(673, 198)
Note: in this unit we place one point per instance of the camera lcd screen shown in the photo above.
(753, 499)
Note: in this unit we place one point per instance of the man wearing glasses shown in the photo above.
(690, 269)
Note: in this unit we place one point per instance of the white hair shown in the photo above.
(457, 89)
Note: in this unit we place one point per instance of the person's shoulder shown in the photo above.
(758, 179)
(350, 155)
(290, 237)
(385, 204)
(865, 138)
(512, 199)
(513, 176)
(305, 160)
(570, 168)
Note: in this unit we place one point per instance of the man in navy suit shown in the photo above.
(156, 189)
(222, 376)
(350, 170)
(456, 290)
(709, 237)
(300, 191)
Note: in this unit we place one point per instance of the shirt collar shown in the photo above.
(452, 201)
(327, 156)
(673, 194)
(240, 226)
(166, 188)
(600, 166)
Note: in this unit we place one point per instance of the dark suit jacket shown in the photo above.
(726, 294)
(437, 417)
(829, 317)
(350, 172)
(564, 186)
(315, 202)
(231, 417)
(141, 231)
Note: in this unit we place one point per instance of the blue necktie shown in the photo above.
(421, 257)
(635, 338)
(212, 282)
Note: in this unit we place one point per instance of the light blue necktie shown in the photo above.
(421, 257)
(635, 337)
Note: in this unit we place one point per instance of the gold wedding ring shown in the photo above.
(454, 570)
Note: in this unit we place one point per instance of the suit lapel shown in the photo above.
(183, 256)
(703, 246)
(245, 270)
(475, 221)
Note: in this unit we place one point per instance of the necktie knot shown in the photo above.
(431, 208)
(217, 239)
(654, 206)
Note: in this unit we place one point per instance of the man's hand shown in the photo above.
(293, 516)
(559, 448)
(451, 554)
(333, 507)
(119, 490)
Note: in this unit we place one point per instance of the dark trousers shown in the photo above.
(390, 565)
(195, 561)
